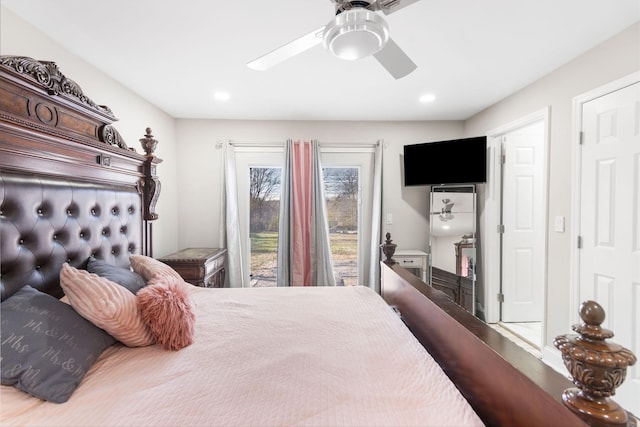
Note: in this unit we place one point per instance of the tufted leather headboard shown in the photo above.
(70, 187)
(45, 222)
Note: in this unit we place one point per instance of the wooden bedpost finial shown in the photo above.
(597, 369)
(148, 143)
(388, 249)
(150, 185)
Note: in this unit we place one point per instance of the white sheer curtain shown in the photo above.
(373, 281)
(233, 241)
(304, 253)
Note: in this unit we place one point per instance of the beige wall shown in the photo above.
(136, 114)
(616, 58)
(200, 166)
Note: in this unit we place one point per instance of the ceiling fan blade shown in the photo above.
(397, 63)
(287, 51)
(389, 6)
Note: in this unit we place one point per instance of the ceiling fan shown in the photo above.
(356, 31)
(445, 213)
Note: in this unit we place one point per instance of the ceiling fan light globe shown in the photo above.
(353, 45)
(355, 34)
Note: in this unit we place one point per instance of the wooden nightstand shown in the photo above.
(199, 266)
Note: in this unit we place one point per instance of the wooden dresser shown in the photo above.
(199, 266)
(459, 288)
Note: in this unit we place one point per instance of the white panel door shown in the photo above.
(524, 234)
(610, 220)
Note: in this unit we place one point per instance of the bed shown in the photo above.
(75, 199)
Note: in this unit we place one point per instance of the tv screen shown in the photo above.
(456, 161)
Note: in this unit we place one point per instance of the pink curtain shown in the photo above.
(304, 249)
(464, 266)
(301, 211)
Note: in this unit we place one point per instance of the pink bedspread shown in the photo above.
(265, 357)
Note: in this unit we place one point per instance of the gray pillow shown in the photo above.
(47, 347)
(122, 276)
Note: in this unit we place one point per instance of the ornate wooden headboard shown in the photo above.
(70, 187)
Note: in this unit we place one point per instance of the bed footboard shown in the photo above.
(504, 384)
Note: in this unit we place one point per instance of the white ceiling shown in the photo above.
(470, 53)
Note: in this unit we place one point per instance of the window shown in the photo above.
(350, 218)
(264, 213)
(342, 195)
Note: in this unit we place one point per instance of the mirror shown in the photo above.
(452, 242)
(466, 257)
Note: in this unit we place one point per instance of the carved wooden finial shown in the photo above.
(150, 184)
(597, 369)
(148, 143)
(388, 248)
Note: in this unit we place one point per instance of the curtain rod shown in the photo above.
(259, 144)
(256, 143)
(349, 144)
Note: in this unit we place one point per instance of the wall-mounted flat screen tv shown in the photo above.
(456, 161)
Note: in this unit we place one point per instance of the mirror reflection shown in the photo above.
(452, 245)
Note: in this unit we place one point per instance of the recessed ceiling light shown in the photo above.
(429, 97)
(445, 227)
(221, 96)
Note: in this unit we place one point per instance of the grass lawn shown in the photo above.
(341, 244)
(264, 254)
(266, 242)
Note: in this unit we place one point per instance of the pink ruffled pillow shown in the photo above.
(168, 309)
